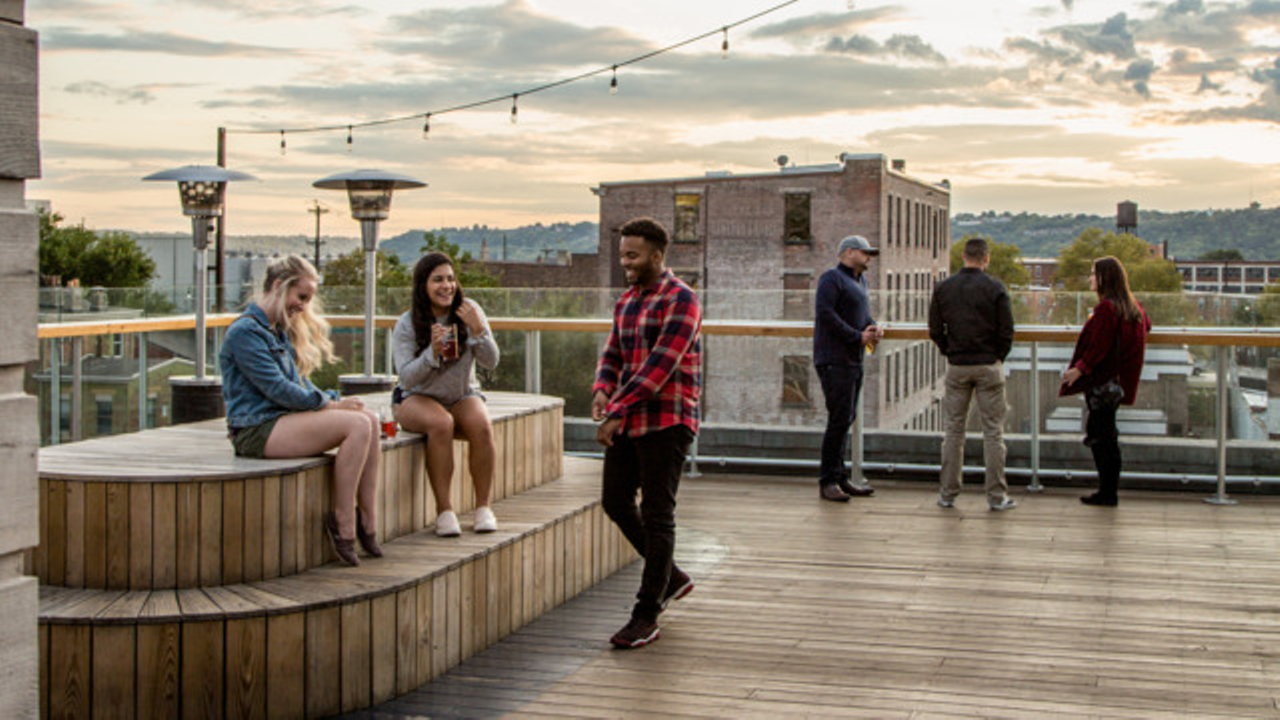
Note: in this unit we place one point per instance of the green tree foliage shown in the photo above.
(348, 270)
(1222, 254)
(1146, 272)
(1006, 262)
(470, 274)
(110, 259)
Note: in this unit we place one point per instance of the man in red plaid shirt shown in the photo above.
(646, 400)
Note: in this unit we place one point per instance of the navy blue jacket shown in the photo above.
(842, 310)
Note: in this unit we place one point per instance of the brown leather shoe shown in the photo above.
(832, 492)
(368, 540)
(346, 549)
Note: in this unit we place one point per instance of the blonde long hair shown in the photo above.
(308, 330)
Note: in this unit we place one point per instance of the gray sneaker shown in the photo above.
(1007, 503)
(945, 502)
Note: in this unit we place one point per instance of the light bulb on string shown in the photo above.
(515, 110)
(283, 147)
(349, 139)
(426, 126)
(613, 84)
(724, 45)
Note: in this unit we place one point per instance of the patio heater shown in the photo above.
(202, 189)
(369, 192)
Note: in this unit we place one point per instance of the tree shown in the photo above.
(348, 270)
(111, 259)
(470, 274)
(1147, 272)
(1006, 262)
(1222, 254)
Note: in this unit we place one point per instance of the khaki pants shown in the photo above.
(964, 382)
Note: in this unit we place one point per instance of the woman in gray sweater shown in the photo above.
(438, 343)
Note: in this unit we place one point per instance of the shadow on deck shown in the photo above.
(892, 607)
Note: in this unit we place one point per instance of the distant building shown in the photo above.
(1247, 277)
(754, 245)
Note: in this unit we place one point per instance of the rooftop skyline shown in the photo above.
(1052, 107)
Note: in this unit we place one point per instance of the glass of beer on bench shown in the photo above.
(388, 422)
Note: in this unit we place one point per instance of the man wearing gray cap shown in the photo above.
(842, 330)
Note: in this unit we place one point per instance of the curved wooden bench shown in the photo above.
(334, 638)
(174, 508)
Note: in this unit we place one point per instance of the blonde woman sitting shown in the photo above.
(274, 411)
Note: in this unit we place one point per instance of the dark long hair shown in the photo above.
(1113, 285)
(423, 317)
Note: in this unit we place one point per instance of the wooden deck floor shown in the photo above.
(892, 607)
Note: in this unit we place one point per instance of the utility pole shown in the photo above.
(317, 210)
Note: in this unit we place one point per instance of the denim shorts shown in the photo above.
(251, 442)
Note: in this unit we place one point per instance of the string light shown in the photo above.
(613, 87)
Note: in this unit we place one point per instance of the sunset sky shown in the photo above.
(1053, 107)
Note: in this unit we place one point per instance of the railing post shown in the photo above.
(142, 381)
(1222, 413)
(855, 471)
(693, 471)
(533, 362)
(389, 364)
(77, 389)
(1035, 486)
(55, 391)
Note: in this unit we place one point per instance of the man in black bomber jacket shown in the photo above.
(971, 322)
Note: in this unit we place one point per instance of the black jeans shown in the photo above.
(841, 385)
(650, 464)
(1104, 441)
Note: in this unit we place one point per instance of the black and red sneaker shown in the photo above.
(636, 633)
(679, 585)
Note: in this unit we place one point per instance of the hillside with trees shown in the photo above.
(525, 243)
(1253, 231)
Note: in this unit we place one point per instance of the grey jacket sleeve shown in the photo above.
(414, 368)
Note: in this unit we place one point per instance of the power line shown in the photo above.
(513, 96)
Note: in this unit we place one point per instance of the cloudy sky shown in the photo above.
(1048, 106)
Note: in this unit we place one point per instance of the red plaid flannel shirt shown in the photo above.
(651, 366)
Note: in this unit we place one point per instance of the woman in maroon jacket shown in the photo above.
(1111, 346)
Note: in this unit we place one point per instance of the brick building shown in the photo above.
(754, 246)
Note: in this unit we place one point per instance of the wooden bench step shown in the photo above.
(174, 508)
(331, 639)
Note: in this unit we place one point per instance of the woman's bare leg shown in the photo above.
(472, 418)
(311, 433)
(421, 414)
(367, 490)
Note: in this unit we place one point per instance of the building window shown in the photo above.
(797, 303)
(795, 382)
(691, 276)
(153, 406)
(688, 217)
(102, 406)
(796, 221)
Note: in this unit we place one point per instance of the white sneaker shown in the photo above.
(447, 524)
(485, 521)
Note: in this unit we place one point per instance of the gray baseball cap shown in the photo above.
(856, 242)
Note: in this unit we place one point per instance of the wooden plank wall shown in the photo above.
(319, 661)
(19, 237)
(119, 535)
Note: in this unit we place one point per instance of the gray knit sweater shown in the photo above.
(425, 374)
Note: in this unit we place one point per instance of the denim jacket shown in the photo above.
(260, 379)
